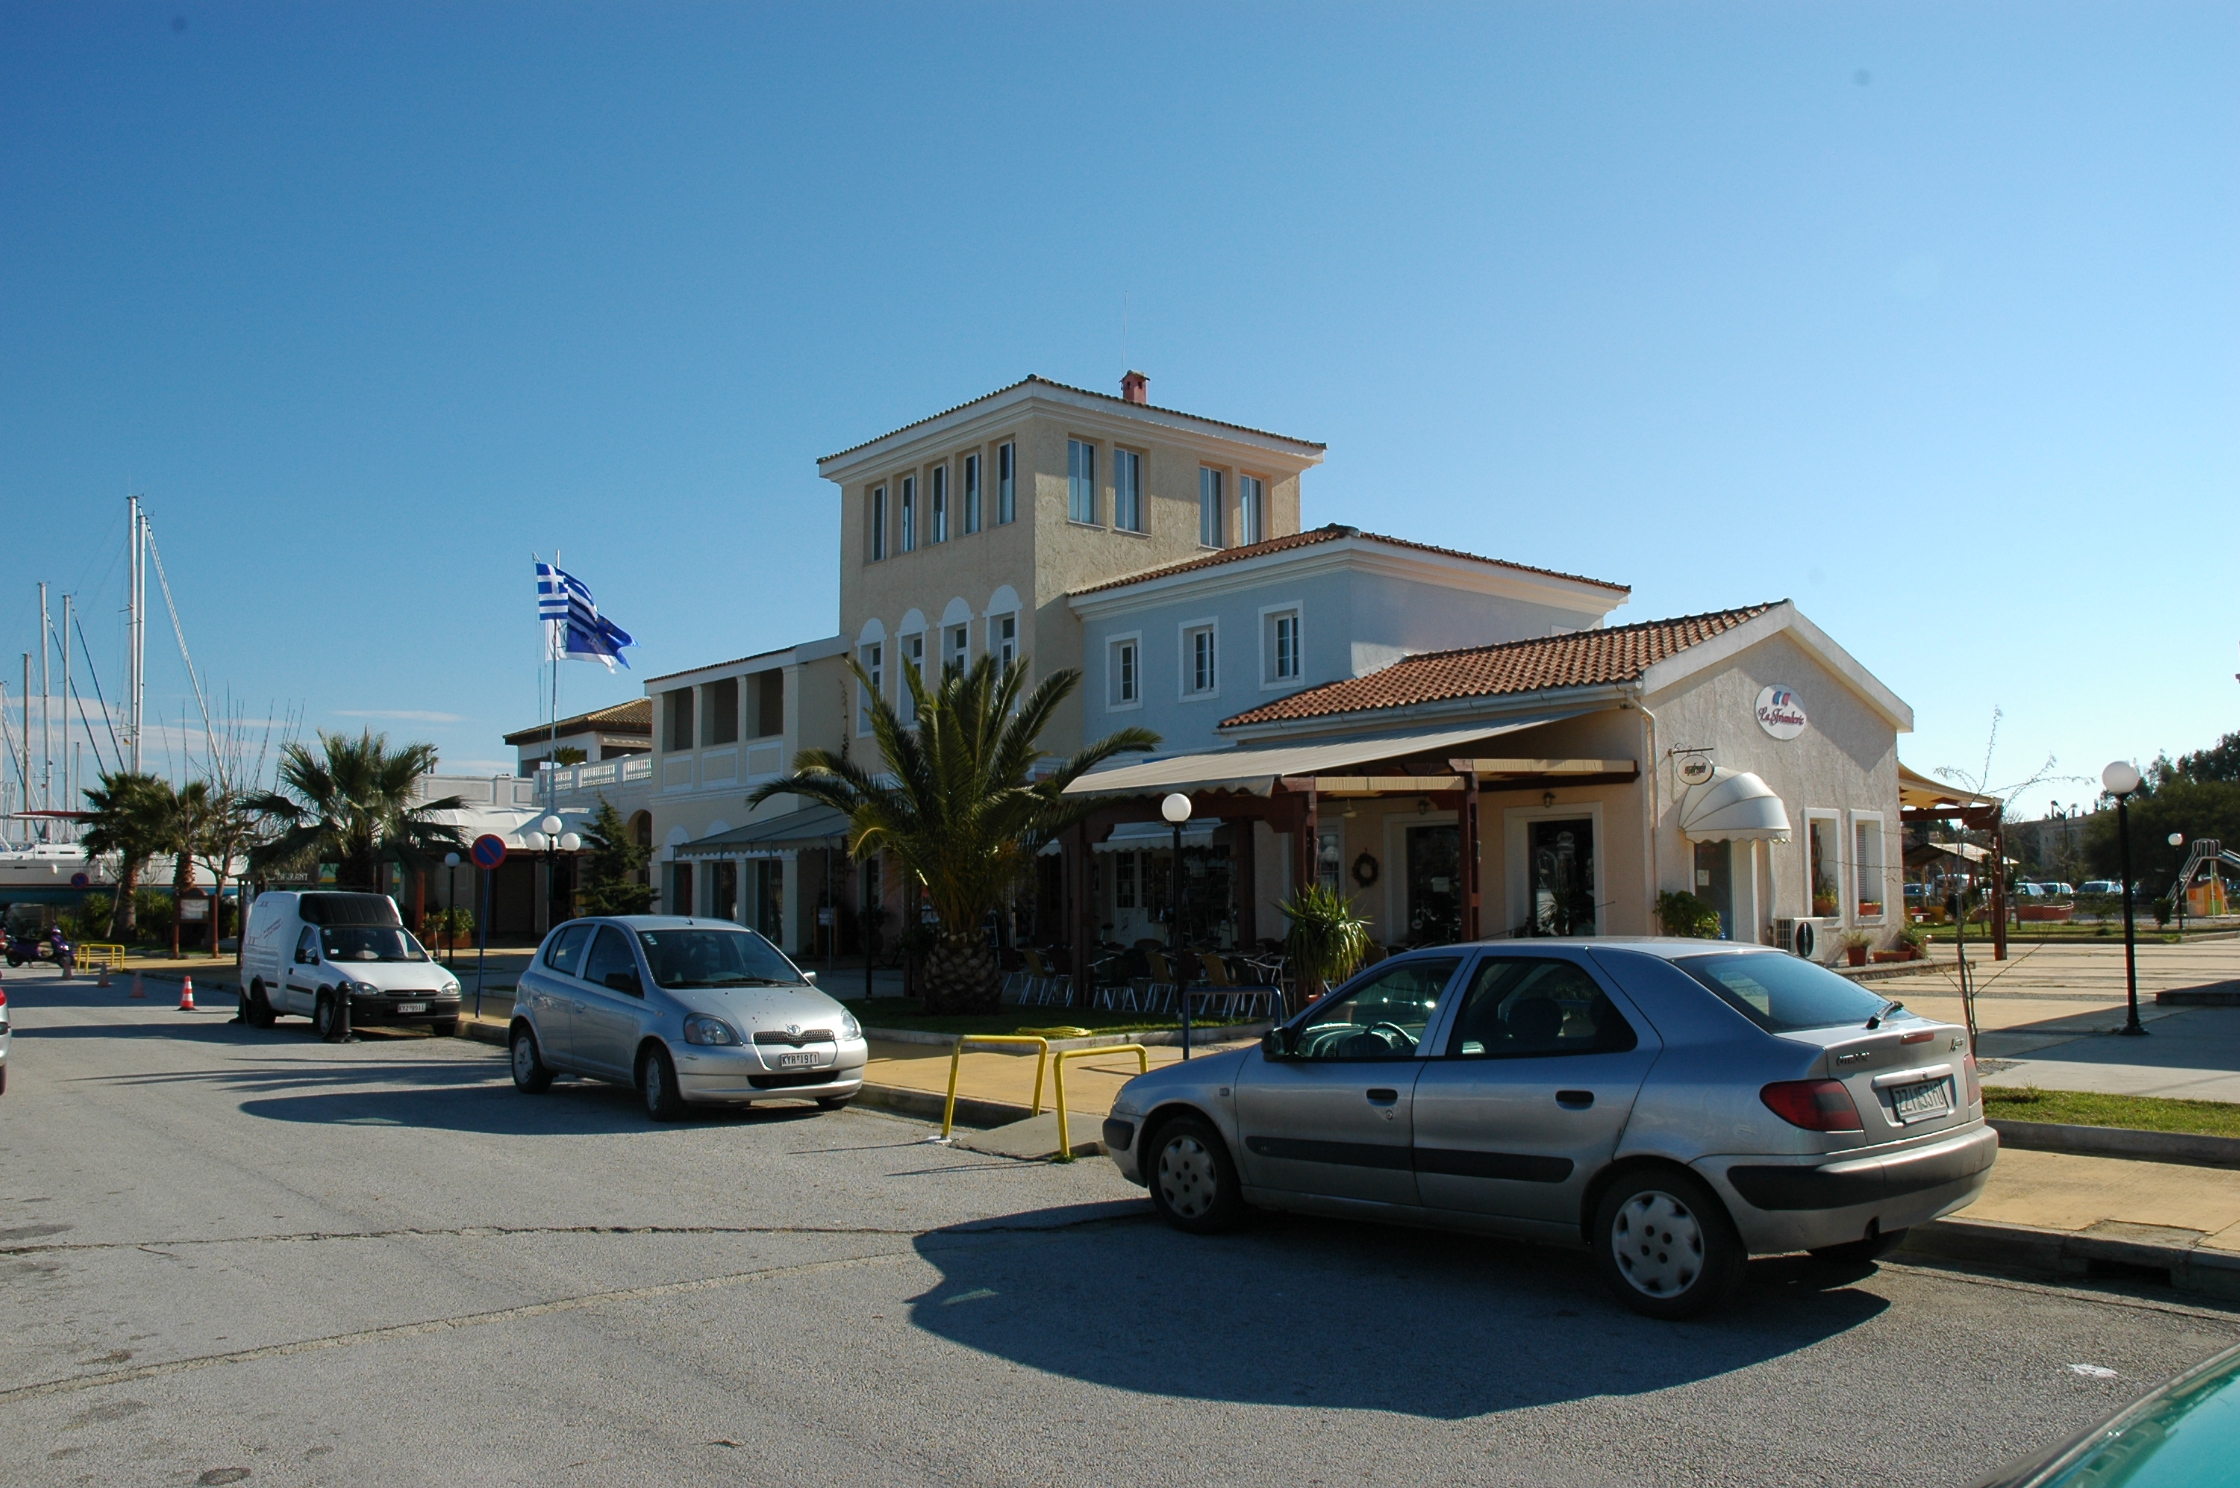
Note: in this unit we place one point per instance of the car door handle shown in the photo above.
(1382, 1097)
(1577, 1100)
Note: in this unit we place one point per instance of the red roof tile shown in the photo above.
(632, 717)
(1084, 392)
(1587, 658)
(1333, 533)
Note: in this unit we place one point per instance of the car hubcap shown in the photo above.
(1187, 1180)
(1657, 1244)
(653, 1083)
(524, 1059)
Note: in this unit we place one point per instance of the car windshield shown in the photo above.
(1783, 993)
(715, 958)
(368, 943)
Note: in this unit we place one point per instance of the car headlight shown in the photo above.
(699, 1028)
(365, 989)
(849, 1027)
(448, 989)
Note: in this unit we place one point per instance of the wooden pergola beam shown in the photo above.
(1543, 767)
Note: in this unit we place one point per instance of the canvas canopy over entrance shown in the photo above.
(1257, 770)
(1917, 792)
(779, 837)
(1733, 806)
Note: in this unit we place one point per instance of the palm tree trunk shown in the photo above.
(962, 976)
(121, 917)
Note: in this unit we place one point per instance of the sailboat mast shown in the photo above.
(46, 710)
(68, 754)
(135, 629)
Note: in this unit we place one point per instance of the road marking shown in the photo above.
(441, 1325)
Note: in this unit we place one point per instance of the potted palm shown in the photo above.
(1327, 942)
(1855, 944)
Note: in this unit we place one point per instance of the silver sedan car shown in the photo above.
(1675, 1105)
(687, 1011)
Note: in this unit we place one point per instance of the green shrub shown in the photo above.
(1682, 913)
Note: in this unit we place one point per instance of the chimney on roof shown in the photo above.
(1136, 388)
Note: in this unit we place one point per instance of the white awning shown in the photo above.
(1733, 806)
(1257, 769)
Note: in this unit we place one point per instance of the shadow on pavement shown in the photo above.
(1296, 1311)
(468, 1099)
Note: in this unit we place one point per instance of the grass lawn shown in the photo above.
(2090, 1108)
(2045, 930)
(902, 1012)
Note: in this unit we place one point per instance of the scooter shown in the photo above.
(50, 947)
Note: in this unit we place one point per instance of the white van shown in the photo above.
(304, 951)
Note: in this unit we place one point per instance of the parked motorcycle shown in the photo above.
(51, 948)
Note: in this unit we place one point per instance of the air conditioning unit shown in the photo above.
(1797, 936)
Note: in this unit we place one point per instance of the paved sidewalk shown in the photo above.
(989, 1075)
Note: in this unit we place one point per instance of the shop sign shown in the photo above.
(1780, 713)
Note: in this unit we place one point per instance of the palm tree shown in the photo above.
(124, 821)
(962, 805)
(182, 814)
(352, 803)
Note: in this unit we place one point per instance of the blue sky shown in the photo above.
(1924, 316)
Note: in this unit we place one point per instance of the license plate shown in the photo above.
(796, 1061)
(412, 1007)
(1919, 1102)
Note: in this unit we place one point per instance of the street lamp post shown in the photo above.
(552, 842)
(1176, 809)
(2121, 779)
(2178, 894)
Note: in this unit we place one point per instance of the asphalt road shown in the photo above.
(240, 1256)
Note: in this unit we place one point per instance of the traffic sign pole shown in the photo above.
(488, 852)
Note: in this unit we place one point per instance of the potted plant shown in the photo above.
(1327, 942)
(1913, 943)
(1855, 943)
(1685, 914)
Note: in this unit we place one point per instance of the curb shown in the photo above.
(926, 1105)
(2120, 1141)
(2110, 1250)
(2223, 994)
(1155, 1037)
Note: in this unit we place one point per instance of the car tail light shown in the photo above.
(1815, 1105)
(1975, 1086)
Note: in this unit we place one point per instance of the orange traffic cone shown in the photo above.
(186, 995)
(137, 989)
(104, 975)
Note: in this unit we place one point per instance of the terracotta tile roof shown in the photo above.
(1586, 659)
(1032, 379)
(1333, 533)
(633, 717)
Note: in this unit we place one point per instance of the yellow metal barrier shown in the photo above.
(100, 955)
(1058, 1063)
(956, 1057)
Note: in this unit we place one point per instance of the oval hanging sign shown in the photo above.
(1779, 712)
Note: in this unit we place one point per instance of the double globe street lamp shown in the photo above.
(549, 839)
(2120, 780)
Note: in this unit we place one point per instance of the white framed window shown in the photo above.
(878, 519)
(909, 513)
(1003, 638)
(971, 473)
(1209, 508)
(1081, 481)
(1007, 483)
(1124, 880)
(1280, 655)
(956, 648)
(1124, 672)
(1201, 673)
(1252, 509)
(1127, 490)
(1823, 864)
(913, 657)
(1868, 864)
(937, 492)
(874, 659)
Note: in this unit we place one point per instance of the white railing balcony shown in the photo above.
(603, 775)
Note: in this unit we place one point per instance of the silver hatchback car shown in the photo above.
(687, 1011)
(1676, 1105)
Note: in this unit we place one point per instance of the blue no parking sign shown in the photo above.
(489, 850)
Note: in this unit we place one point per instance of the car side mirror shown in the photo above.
(625, 981)
(1276, 1043)
(810, 977)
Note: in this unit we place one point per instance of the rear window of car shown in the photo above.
(1783, 993)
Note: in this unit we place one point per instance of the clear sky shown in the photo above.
(1924, 316)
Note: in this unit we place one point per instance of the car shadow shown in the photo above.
(481, 1104)
(1310, 1312)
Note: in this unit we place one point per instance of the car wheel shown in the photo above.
(3, 1079)
(657, 1080)
(531, 1075)
(833, 1102)
(322, 1016)
(1665, 1244)
(445, 1028)
(260, 1007)
(1861, 1252)
(1192, 1181)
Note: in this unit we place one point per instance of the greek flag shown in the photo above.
(573, 627)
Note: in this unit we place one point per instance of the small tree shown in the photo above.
(1683, 913)
(126, 822)
(354, 804)
(613, 865)
(1327, 942)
